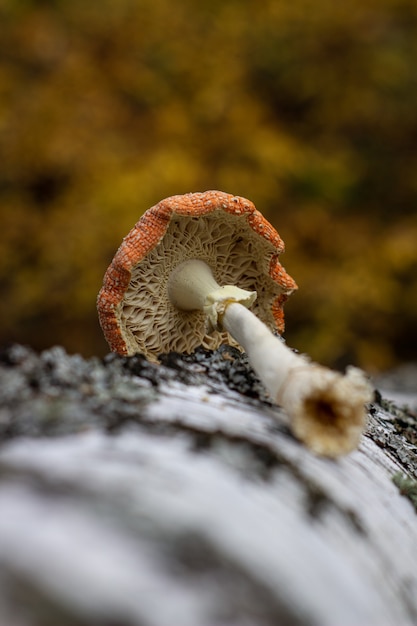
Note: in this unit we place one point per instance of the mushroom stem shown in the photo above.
(192, 287)
(326, 408)
(269, 356)
(189, 285)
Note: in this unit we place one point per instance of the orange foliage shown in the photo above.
(309, 111)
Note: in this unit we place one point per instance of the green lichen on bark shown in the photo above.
(407, 487)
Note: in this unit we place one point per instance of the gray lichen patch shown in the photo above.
(394, 429)
(54, 393)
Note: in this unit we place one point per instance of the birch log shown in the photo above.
(175, 495)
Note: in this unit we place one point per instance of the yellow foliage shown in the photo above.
(308, 109)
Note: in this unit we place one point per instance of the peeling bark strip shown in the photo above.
(136, 494)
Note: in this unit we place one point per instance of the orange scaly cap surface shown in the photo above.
(167, 220)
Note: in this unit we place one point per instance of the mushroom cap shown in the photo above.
(228, 233)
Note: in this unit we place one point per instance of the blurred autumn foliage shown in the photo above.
(308, 109)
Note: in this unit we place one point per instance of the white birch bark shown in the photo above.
(141, 499)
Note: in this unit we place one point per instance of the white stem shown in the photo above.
(326, 408)
(189, 285)
(270, 357)
(192, 287)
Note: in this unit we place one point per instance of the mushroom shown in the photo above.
(186, 276)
